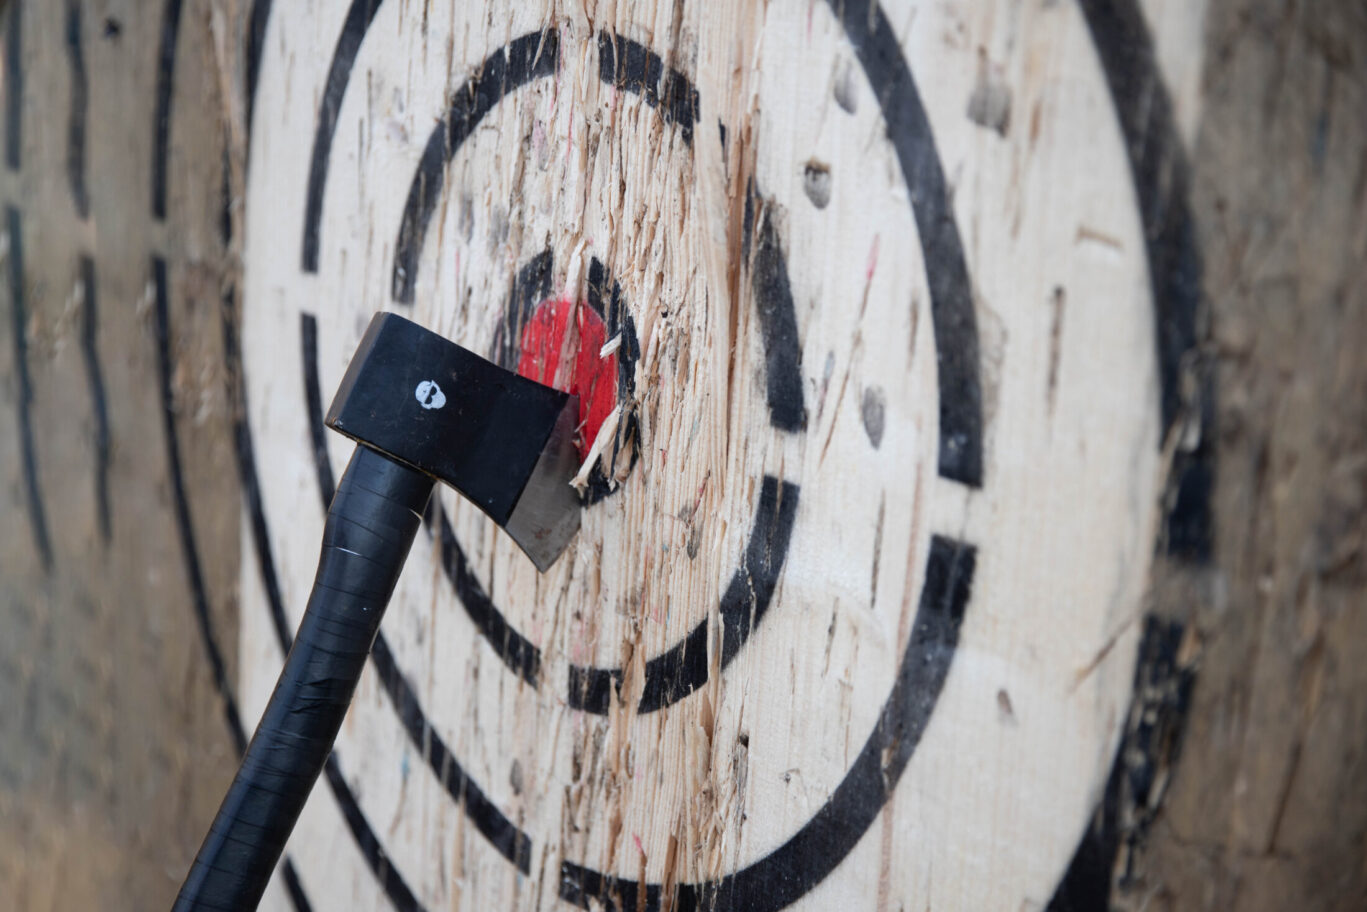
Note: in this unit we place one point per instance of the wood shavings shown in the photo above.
(606, 433)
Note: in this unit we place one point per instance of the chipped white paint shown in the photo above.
(991, 807)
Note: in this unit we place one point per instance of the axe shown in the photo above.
(421, 409)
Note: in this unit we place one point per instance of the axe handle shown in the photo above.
(370, 527)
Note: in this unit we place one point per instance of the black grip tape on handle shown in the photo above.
(370, 527)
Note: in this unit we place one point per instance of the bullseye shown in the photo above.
(563, 345)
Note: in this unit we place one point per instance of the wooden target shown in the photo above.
(879, 361)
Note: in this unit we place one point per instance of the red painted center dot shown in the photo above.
(560, 346)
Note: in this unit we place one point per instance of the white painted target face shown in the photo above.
(851, 617)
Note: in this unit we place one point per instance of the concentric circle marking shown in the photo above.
(953, 567)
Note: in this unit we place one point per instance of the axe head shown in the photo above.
(505, 442)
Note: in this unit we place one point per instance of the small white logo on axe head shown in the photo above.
(429, 395)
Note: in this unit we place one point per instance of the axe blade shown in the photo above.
(502, 440)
